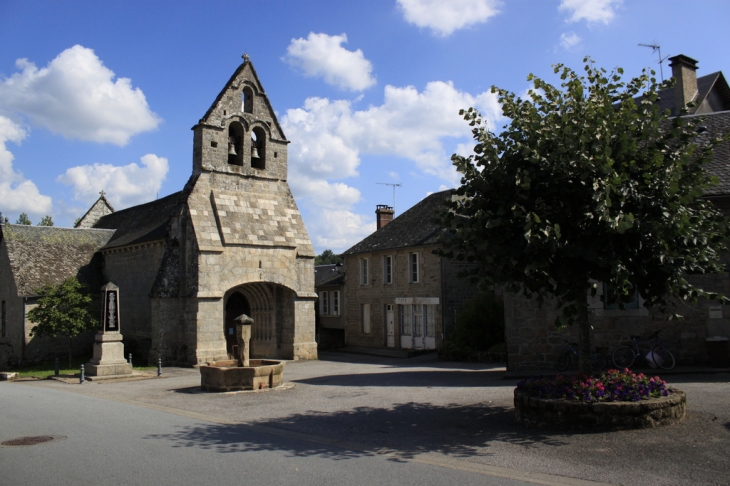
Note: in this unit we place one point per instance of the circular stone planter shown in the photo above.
(226, 376)
(567, 414)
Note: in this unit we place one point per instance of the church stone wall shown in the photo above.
(133, 269)
(11, 345)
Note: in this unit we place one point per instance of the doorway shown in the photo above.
(237, 304)
(389, 326)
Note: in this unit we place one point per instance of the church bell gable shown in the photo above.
(240, 134)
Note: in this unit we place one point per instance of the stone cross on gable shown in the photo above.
(102, 193)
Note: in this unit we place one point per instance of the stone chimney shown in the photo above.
(684, 72)
(384, 215)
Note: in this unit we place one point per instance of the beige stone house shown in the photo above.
(532, 340)
(398, 294)
(231, 242)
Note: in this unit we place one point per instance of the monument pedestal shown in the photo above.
(108, 359)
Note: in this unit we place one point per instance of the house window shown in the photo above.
(405, 320)
(3, 329)
(324, 303)
(335, 302)
(388, 269)
(365, 318)
(413, 268)
(428, 315)
(363, 271)
(417, 320)
(632, 303)
(329, 303)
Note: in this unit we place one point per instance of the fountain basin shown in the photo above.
(225, 376)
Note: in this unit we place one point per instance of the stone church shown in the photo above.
(231, 242)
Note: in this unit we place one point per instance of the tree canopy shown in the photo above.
(46, 221)
(327, 258)
(63, 310)
(23, 219)
(588, 182)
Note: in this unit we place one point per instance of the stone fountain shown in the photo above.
(244, 373)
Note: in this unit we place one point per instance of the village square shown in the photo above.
(553, 311)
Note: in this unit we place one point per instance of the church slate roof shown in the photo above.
(328, 275)
(42, 255)
(415, 227)
(143, 223)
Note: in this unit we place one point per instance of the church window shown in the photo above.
(235, 144)
(213, 144)
(258, 148)
(247, 100)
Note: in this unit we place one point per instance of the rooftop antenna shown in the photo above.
(394, 187)
(657, 48)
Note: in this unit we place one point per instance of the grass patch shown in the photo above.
(44, 369)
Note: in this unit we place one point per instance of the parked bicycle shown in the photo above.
(598, 360)
(651, 350)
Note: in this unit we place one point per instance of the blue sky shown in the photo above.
(102, 95)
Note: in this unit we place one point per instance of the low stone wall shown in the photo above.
(564, 414)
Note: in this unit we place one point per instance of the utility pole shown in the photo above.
(394, 187)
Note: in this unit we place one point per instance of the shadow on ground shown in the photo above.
(426, 378)
(404, 431)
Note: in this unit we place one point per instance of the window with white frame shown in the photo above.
(388, 269)
(329, 303)
(413, 268)
(364, 271)
(405, 320)
(417, 311)
(365, 318)
(415, 319)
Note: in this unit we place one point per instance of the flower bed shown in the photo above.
(612, 400)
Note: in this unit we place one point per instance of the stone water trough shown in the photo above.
(244, 373)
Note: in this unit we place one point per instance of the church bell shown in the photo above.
(254, 152)
(231, 149)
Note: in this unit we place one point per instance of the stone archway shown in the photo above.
(272, 308)
(236, 305)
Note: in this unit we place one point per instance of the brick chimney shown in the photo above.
(384, 215)
(684, 72)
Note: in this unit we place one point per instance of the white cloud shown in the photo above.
(590, 10)
(322, 55)
(328, 137)
(125, 186)
(76, 96)
(17, 194)
(443, 18)
(569, 40)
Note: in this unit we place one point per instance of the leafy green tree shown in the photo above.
(46, 221)
(63, 310)
(327, 258)
(23, 219)
(587, 184)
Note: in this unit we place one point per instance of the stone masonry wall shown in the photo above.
(378, 294)
(456, 291)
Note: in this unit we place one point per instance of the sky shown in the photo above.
(102, 95)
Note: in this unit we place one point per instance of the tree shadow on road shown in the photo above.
(401, 432)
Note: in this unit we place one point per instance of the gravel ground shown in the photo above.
(426, 408)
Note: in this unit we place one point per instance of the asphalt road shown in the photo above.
(346, 419)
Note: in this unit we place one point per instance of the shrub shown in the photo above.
(479, 326)
(611, 386)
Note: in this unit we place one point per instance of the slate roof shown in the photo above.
(705, 84)
(139, 224)
(328, 275)
(415, 227)
(717, 124)
(41, 255)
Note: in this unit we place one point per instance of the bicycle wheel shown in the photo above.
(598, 361)
(663, 358)
(563, 361)
(623, 357)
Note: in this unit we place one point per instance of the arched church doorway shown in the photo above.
(237, 304)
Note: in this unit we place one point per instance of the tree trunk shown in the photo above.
(70, 350)
(584, 340)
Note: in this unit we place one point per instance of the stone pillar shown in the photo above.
(243, 336)
(305, 346)
(108, 359)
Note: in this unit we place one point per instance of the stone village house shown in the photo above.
(231, 242)
(397, 293)
(532, 340)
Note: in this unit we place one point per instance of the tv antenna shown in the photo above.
(657, 48)
(394, 187)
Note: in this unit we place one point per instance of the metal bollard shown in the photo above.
(130, 358)
(159, 366)
(81, 378)
(57, 370)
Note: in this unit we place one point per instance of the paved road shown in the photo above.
(372, 419)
